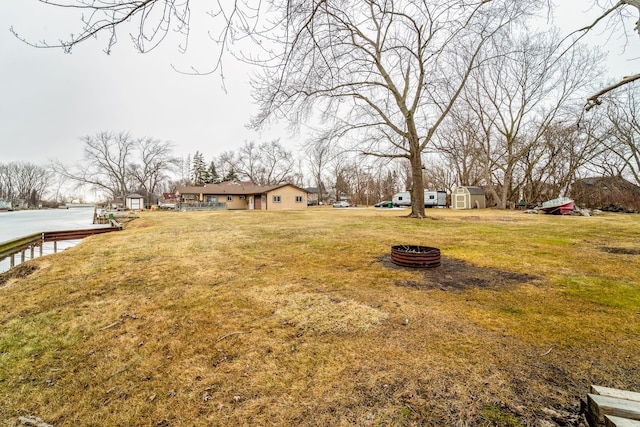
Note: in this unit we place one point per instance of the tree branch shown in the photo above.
(594, 100)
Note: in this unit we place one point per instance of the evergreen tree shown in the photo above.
(231, 175)
(198, 169)
(212, 174)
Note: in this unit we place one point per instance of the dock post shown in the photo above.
(12, 263)
(32, 249)
(22, 255)
(55, 246)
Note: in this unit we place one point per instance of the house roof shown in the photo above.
(608, 182)
(232, 188)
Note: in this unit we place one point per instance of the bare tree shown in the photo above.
(549, 169)
(278, 163)
(621, 135)
(319, 152)
(458, 144)
(247, 163)
(6, 182)
(268, 163)
(615, 15)
(438, 173)
(517, 98)
(105, 165)
(154, 163)
(24, 181)
(116, 164)
(387, 73)
(227, 164)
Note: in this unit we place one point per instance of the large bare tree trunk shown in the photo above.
(417, 189)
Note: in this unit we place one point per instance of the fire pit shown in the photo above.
(415, 256)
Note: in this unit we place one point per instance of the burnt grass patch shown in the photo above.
(621, 251)
(458, 275)
(22, 270)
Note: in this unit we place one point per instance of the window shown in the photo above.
(276, 199)
(229, 198)
(243, 197)
(432, 196)
(298, 199)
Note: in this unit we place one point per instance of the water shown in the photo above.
(23, 223)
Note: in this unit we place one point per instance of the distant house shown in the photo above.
(604, 192)
(168, 198)
(313, 196)
(244, 195)
(468, 198)
(167, 201)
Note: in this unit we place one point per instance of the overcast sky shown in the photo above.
(49, 99)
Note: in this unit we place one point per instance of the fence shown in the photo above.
(29, 243)
(200, 206)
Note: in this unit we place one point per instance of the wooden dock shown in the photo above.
(29, 243)
(611, 407)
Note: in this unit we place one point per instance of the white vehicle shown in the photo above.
(341, 204)
(432, 199)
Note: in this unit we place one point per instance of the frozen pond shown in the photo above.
(23, 223)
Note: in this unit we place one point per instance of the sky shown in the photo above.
(49, 99)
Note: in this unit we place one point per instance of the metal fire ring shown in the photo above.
(415, 256)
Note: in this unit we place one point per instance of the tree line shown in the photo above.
(525, 142)
(463, 89)
(24, 183)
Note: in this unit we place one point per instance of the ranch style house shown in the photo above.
(245, 195)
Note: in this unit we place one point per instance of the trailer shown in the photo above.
(432, 199)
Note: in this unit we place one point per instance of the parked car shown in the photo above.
(384, 204)
(341, 204)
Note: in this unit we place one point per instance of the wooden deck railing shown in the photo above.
(29, 243)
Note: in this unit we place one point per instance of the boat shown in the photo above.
(559, 206)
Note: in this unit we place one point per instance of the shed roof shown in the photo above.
(476, 191)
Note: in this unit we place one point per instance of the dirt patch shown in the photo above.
(314, 311)
(22, 270)
(621, 251)
(457, 275)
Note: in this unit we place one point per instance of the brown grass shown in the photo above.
(294, 318)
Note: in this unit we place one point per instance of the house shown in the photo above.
(468, 197)
(606, 192)
(314, 197)
(244, 195)
(168, 201)
(134, 202)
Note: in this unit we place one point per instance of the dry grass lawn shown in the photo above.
(245, 318)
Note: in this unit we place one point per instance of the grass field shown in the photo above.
(298, 318)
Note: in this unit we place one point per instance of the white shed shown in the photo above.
(468, 198)
(134, 202)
